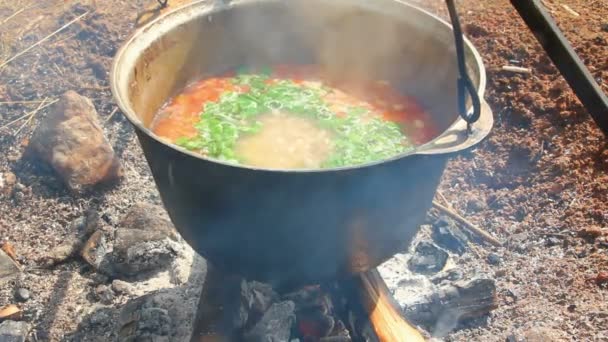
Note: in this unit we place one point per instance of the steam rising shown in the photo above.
(353, 42)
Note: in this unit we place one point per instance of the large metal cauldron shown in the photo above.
(293, 227)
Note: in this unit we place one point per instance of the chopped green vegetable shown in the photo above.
(358, 137)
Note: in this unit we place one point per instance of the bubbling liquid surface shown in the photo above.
(286, 141)
(291, 118)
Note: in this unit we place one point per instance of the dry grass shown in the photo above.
(28, 117)
(8, 37)
(19, 18)
(24, 51)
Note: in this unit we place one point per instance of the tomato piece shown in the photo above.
(174, 127)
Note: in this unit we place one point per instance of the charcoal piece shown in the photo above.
(340, 330)
(447, 235)
(336, 339)
(311, 297)
(241, 312)
(154, 322)
(95, 251)
(234, 312)
(255, 299)
(259, 297)
(105, 294)
(145, 324)
(427, 258)
(453, 274)
(552, 241)
(494, 259)
(223, 306)
(305, 297)
(275, 325)
(512, 338)
(314, 323)
(80, 230)
(452, 303)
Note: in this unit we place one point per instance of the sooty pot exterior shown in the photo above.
(295, 227)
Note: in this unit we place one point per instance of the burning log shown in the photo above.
(384, 315)
(370, 300)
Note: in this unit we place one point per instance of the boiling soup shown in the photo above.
(290, 118)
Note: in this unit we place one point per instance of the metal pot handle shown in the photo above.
(465, 84)
(461, 135)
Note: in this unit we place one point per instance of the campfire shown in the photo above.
(361, 308)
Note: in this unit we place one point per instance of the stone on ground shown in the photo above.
(22, 294)
(138, 251)
(145, 241)
(11, 331)
(145, 216)
(71, 140)
(144, 245)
